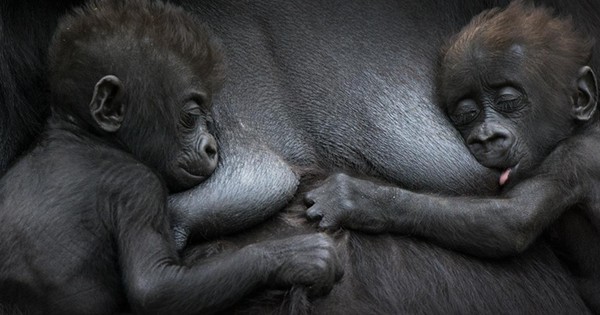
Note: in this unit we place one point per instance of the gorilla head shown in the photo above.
(514, 82)
(152, 82)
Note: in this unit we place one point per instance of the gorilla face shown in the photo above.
(510, 114)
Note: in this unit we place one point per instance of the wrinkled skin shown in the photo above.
(349, 86)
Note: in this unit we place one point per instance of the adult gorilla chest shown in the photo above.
(343, 85)
(318, 81)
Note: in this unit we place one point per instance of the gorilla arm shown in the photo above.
(156, 281)
(484, 226)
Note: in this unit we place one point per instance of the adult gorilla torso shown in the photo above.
(344, 85)
(355, 79)
(349, 85)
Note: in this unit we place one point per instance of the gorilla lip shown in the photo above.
(504, 176)
(192, 175)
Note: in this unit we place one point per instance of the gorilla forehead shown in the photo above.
(481, 67)
(123, 35)
(520, 41)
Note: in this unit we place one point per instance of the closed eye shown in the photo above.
(508, 100)
(464, 118)
(466, 111)
(508, 106)
(190, 115)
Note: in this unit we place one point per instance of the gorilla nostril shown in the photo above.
(490, 144)
(211, 151)
(488, 139)
(496, 138)
(209, 148)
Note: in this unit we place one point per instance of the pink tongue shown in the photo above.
(504, 176)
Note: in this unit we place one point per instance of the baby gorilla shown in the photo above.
(516, 84)
(85, 228)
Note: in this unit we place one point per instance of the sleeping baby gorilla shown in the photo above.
(85, 228)
(516, 84)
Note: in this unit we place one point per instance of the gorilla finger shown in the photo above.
(319, 290)
(314, 213)
(309, 199)
(339, 274)
(328, 224)
(180, 234)
(339, 269)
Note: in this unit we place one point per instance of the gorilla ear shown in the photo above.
(107, 107)
(584, 104)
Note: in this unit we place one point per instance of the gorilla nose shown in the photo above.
(209, 153)
(490, 141)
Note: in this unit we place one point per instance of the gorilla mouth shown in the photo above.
(186, 177)
(190, 174)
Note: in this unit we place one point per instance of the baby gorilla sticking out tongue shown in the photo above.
(504, 176)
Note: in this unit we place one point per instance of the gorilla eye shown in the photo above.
(508, 100)
(508, 106)
(465, 112)
(190, 114)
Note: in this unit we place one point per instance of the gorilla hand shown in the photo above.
(309, 260)
(348, 202)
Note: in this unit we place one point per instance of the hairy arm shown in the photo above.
(156, 281)
(484, 226)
